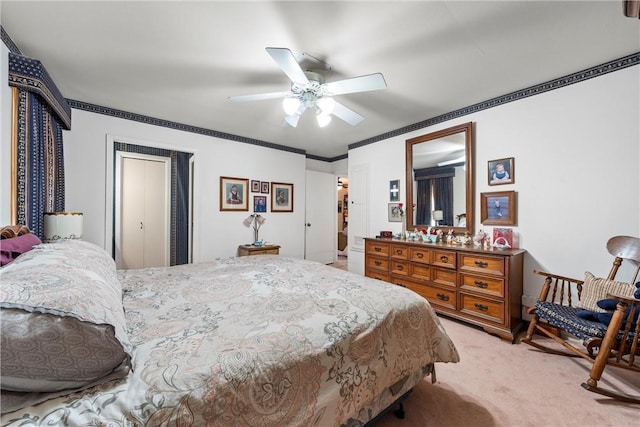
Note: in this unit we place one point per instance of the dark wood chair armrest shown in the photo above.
(556, 276)
(624, 299)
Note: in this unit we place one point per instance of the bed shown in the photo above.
(253, 341)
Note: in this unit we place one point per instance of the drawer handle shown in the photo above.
(481, 307)
(443, 297)
(480, 284)
(419, 254)
(377, 249)
(400, 284)
(444, 258)
(482, 264)
(399, 267)
(377, 263)
(399, 251)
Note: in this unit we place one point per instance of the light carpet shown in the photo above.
(501, 384)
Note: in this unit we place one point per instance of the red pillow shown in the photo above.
(10, 249)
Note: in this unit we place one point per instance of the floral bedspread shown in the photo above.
(257, 341)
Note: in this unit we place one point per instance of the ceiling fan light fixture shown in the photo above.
(290, 105)
(326, 105)
(323, 119)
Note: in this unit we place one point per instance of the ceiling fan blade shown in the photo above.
(357, 84)
(346, 114)
(260, 96)
(287, 62)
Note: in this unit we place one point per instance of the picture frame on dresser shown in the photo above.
(498, 208)
(234, 194)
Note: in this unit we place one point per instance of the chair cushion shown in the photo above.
(595, 289)
(566, 318)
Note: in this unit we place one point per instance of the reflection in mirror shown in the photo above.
(440, 179)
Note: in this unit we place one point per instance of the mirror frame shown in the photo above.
(468, 129)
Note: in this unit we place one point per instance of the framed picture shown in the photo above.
(255, 186)
(265, 187)
(501, 171)
(394, 190)
(498, 208)
(259, 203)
(281, 197)
(234, 194)
(394, 213)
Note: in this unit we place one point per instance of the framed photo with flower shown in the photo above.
(394, 212)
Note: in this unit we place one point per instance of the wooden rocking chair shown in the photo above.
(556, 315)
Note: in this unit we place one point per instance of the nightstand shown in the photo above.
(248, 250)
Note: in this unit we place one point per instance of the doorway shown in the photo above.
(142, 210)
(343, 219)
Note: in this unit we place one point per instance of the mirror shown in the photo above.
(440, 179)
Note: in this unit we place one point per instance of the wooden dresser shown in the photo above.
(250, 250)
(478, 286)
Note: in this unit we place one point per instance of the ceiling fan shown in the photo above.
(310, 92)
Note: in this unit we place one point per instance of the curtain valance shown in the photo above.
(30, 75)
(430, 173)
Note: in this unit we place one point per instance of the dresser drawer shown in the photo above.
(442, 258)
(436, 296)
(486, 285)
(377, 275)
(400, 268)
(480, 263)
(399, 281)
(483, 308)
(419, 255)
(378, 248)
(377, 263)
(399, 252)
(445, 277)
(419, 272)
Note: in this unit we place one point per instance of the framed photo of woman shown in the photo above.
(281, 197)
(234, 194)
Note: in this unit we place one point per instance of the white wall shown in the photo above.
(577, 171)
(216, 234)
(5, 137)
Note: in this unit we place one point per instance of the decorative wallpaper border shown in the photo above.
(580, 76)
(599, 70)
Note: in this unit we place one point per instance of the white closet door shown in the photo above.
(144, 212)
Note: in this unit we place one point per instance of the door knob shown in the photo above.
(308, 224)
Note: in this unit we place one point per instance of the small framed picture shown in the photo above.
(234, 194)
(255, 186)
(265, 187)
(281, 197)
(394, 213)
(501, 171)
(394, 190)
(498, 208)
(259, 203)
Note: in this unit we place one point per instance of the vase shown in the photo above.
(403, 233)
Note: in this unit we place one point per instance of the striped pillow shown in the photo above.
(596, 288)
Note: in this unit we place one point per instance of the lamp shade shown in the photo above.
(62, 225)
(437, 215)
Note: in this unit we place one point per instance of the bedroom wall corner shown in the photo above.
(5, 137)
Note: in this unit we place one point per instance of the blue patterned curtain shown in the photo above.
(42, 114)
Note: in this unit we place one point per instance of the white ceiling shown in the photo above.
(180, 61)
